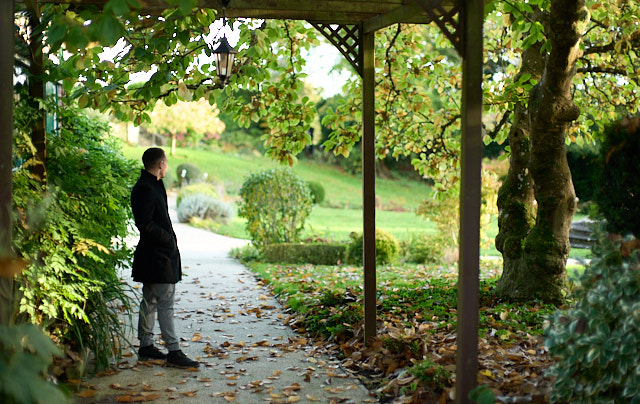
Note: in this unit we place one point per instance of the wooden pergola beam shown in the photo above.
(322, 11)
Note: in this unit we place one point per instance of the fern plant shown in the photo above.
(72, 231)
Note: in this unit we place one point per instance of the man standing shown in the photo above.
(156, 262)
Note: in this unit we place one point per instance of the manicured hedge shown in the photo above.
(305, 253)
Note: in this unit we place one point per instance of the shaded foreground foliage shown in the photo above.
(595, 342)
(413, 356)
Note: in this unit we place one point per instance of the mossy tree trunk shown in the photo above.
(535, 255)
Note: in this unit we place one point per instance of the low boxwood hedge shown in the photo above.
(305, 253)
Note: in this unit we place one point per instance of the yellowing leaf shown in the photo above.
(9, 266)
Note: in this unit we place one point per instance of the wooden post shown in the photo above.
(369, 183)
(6, 146)
(471, 19)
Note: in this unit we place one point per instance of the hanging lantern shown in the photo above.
(225, 54)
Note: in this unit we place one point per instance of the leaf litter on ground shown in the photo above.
(412, 358)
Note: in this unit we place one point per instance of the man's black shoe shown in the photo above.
(178, 359)
(150, 352)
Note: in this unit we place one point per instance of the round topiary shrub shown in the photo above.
(618, 185)
(276, 203)
(386, 248)
(191, 173)
(202, 188)
(595, 344)
(425, 249)
(204, 207)
(317, 192)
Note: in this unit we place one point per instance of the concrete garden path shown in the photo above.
(230, 323)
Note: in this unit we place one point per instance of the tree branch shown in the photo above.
(503, 121)
(291, 51)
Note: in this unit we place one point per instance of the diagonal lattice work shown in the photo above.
(447, 16)
(346, 38)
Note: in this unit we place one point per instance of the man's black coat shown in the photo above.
(157, 259)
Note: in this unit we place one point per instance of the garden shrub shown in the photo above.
(317, 192)
(245, 254)
(305, 253)
(386, 248)
(425, 248)
(618, 184)
(202, 188)
(276, 203)
(595, 343)
(204, 206)
(72, 231)
(192, 173)
(583, 163)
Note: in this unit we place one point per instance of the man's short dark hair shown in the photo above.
(152, 157)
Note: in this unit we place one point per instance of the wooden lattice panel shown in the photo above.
(447, 18)
(346, 38)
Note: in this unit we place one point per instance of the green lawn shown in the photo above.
(341, 189)
(340, 213)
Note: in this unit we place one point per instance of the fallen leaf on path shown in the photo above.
(312, 398)
(86, 393)
(293, 387)
(135, 399)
